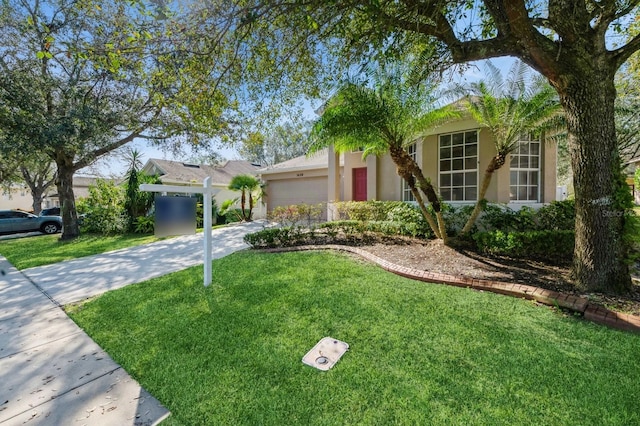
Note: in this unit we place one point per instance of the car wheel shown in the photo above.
(50, 228)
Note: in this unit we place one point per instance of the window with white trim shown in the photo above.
(458, 166)
(524, 181)
(407, 195)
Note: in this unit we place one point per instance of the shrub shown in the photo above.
(365, 210)
(297, 214)
(346, 231)
(104, 209)
(456, 217)
(144, 224)
(234, 215)
(409, 221)
(548, 244)
(499, 216)
(557, 215)
(200, 211)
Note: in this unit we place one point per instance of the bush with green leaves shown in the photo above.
(343, 231)
(144, 224)
(104, 209)
(200, 211)
(557, 215)
(456, 217)
(500, 216)
(409, 220)
(365, 210)
(230, 213)
(549, 245)
(297, 214)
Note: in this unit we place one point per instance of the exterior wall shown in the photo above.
(389, 183)
(352, 160)
(428, 162)
(372, 177)
(498, 190)
(16, 198)
(500, 179)
(549, 169)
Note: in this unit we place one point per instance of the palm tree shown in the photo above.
(245, 184)
(385, 118)
(132, 192)
(510, 109)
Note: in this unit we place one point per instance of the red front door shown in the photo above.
(360, 184)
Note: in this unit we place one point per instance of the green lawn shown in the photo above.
(420, 353)
(42, 250)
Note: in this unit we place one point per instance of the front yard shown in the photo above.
(420, 353)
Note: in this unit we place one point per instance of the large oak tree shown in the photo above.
(569, 42)
(81, 79)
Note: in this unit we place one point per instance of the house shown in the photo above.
(19, 196)
(180, 173)
(631, 168)
(454, 156)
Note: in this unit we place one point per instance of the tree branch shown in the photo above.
(620, 55)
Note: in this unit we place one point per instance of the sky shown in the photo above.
(114, 166)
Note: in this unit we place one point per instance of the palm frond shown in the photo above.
(511, 109)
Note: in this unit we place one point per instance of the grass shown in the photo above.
(420, 354)
(26, 253)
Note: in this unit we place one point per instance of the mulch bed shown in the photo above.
(434, 256)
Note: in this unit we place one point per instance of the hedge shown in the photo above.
(550, 244)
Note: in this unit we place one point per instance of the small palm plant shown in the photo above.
(246, 184)
(510, 109)
(385, 118)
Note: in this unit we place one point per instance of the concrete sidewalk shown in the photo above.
(51, 372)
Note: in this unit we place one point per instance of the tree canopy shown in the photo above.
(512, 109)
(80, 79)
(569, 43)
(385, 117)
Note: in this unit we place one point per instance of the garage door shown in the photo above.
(312, 190)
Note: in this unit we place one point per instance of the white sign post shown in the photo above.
(207, 193)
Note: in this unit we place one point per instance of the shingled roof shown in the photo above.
(176, 172)
(318, 160)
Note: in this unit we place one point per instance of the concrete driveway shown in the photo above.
(51, 372)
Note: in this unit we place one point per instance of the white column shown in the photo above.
(372, 177)
(333, 181)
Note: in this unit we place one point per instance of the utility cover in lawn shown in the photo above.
(325, 353)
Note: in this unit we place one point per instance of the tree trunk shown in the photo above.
(495, 163)
(242, 203)
(408, 170)
(37, 194)
(425, 213)
(600, 254)
(64, 183)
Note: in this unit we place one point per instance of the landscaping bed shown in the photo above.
(432, 255)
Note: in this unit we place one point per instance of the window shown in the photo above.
(525, 171)
(458, 166)
(406, 191)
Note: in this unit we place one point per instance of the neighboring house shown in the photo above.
(19, 197)
(179, 173)
(631, 167)
(454, 156)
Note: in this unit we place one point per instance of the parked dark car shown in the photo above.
(16, 221)
(53, 211)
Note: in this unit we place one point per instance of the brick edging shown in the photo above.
(591, 312)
